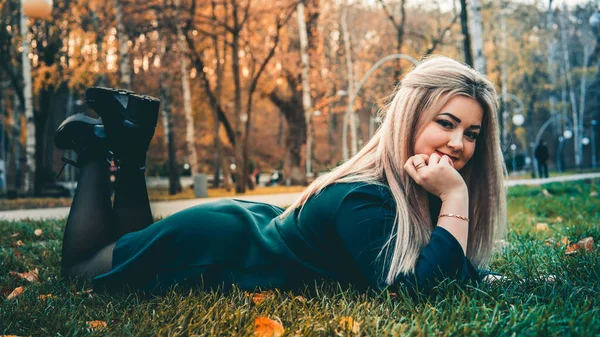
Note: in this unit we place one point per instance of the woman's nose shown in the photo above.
(456, 142)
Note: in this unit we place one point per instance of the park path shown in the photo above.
(166, 208)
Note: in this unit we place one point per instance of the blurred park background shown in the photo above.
(258, 92)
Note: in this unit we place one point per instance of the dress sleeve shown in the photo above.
(364, 222)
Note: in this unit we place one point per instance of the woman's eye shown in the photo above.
(472, 135)
(445, 123)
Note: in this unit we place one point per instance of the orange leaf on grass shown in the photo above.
(258, 298)
(38, 232)
(31, 276)
(266, 327)
(585, 243)
(17, 292)
(348, 323)
(19, 243)
(96, 325)
(14, 235)
(564, 241)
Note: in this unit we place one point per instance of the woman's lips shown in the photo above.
(443, 154)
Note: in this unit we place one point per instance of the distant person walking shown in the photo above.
(542, 155)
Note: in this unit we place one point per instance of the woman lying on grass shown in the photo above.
(423, 201)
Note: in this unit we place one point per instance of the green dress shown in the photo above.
(338, 235)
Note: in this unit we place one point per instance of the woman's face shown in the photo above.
(453, 131)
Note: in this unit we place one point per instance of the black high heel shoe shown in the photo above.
(129, 121)
(84, 135)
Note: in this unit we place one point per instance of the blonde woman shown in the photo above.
(422, 201)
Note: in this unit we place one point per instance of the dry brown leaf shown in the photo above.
(558, 219)
(542, 226)
(550, 242)
(348, 323)
(18, 254)
(585, 243)
(266, 327)
(564, 241)
(546, 193)
(47, 297)
(96, 325)
(31, 276)
(17, 292)
(19, 243)
(14, 235)
(38, 232)
(393, 295)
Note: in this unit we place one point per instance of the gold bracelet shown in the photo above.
(454, 216)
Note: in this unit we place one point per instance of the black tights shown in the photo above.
(94, 224)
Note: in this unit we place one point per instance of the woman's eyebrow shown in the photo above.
(457, 120)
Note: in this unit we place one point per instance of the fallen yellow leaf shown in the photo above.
(348, 323)
(558, 219)
(38, 232)
(266, 327)
(550, 242)
(542, 226)
(47, 297)
(17, 292)
(31, 276)
(19, 243)
(564, 241)
(546, 193)
(96, 325)
(14, 235)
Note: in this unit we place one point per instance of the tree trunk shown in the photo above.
(217, 125)
(477, 35)
(464, 25)
(569, 76)
(166, 98)
(30, 145)
(306, 99)
(240, 181)
(123, 38)
(293, 112)
(552, 64)
(190, 134)
(350, 70)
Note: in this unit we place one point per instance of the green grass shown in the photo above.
(568, 307)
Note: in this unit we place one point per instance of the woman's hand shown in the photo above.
(436, 175)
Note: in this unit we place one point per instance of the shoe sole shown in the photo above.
(63, 136)
(139, 104)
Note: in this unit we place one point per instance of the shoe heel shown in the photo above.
(143, 110)
(99, 94)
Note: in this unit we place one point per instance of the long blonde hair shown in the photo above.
(417, 100)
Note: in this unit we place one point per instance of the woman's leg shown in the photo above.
(132, 208)
(90, 231)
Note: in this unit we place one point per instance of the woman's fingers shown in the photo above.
(434, 159)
